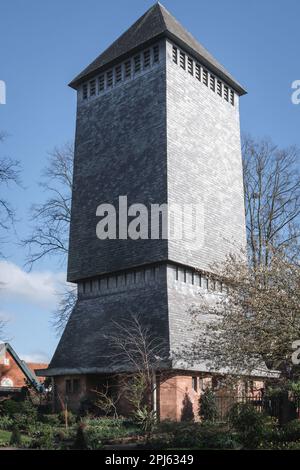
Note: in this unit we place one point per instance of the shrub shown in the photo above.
(15, 439)
(4, 438)
(71, 418)
(207, 406)
(80, 440)
(291, 431)
(24, 414)
(51, 419)
(43, 437)
(6, 423)
(108, 428)
(203, 436)
(11, 407)
(251, 425)
(146, 419)
(93, 438)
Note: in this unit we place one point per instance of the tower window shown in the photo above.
(226, 93)
(137, 63)
(119, 73)
(175, 55)
(109, 77)
(68, 386)
(190, 66)
(232, 97)
(76, 385)
(92, 87)
(72, 386)
(205, 77)
(195, 384)
(156, 54)
(146, 58)
(198, 72)
(212, 83)
(128, 69)
(84, 91)
(101, 83)
(182, 60)
(219, 88)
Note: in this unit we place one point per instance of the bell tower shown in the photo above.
(157, 123)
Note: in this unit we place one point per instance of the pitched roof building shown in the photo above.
(12, 377)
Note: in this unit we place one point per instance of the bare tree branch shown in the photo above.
(137, 352)
(50, 233)
(254, 323)
(9, 174)
(51, 221)
(66, 305)
(272, 198)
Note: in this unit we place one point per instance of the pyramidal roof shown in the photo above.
(155, 23)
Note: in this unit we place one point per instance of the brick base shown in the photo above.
(177, 393)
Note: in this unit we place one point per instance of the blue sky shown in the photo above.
(43, 45)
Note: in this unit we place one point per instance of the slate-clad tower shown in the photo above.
(158, 122)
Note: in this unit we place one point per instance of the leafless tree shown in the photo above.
(9, 174)
(51, 221)
(140, 353)
(52, 218)
(107, 400)
(67, 302)
(272, 199)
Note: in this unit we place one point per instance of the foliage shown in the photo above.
(71, 417)
(109, 428)
(94, 437)
(194, 435)
(10, 407)
(238, 329)
(51, 419)
(187, 413)
(291, 431)
(295, 387)
(15, 438)
(146, 418)
(251, 425)
(80, 440)
(43, 437)
(6, 423)
(4, 438)
(207, 406)
(24, 414)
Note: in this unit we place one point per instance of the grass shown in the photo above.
(4, 437)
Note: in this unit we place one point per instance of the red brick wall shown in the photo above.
(11, 373)
(177, 399)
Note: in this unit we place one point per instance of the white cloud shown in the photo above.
(37, 287)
